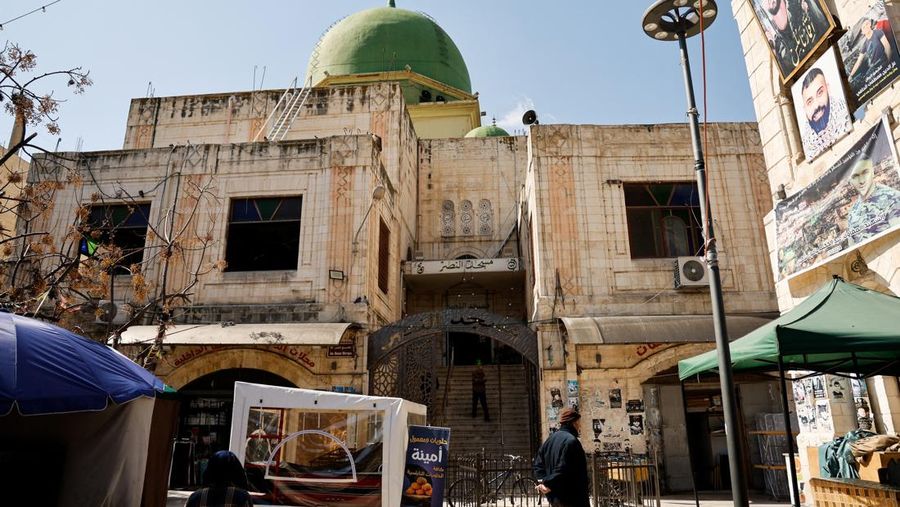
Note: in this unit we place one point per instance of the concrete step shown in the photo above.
(507, 431)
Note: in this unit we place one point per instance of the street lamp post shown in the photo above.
(670, 20)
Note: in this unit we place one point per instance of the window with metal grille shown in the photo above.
(384, 257)
(663, 219)
(263, 234)
(123, 226)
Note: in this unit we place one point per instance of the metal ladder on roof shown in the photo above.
(288, 108)
(292, 101)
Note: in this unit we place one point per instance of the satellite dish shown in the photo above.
(693, 270)
(530, 118)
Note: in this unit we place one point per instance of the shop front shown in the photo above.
(204, 362)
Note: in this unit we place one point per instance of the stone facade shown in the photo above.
(527, 230)
(876, 264)
(576, 245)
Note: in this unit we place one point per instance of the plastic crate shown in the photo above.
(853, 493)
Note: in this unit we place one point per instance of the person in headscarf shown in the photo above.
(226, 484)
(561, 466)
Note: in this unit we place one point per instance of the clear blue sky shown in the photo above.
(584, 61)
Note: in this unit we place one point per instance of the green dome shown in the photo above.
(388, 39)
(488, 131)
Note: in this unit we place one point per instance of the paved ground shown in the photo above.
(718, 500)
(177, 499)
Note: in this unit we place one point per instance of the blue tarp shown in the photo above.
(45, 369)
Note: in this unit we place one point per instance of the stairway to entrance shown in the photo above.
(508, 430)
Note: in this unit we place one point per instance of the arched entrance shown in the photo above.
(430, 358)
(205, 420)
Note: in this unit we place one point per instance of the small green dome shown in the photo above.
(388, 39)
(488, 131)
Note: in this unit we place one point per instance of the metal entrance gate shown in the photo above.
(409, 372)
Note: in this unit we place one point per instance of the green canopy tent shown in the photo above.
(842, 327)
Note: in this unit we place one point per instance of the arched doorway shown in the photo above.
(431, 357)
(204, 424)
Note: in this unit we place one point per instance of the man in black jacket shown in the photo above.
(561, 467)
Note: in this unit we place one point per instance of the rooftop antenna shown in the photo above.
(150, 90)
(391, 3)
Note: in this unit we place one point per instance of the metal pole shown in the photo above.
(729, 407)
(690, 453)
(789, 434)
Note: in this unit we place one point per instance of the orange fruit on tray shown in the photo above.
(421, 480)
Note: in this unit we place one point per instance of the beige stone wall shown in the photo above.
(15, 165)
(469, 195)
(785, 162)
(237, 117)
(305, 366)
(575, 236)
(575, 206)
(786, 165)
(335, 176)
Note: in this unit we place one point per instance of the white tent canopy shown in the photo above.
(395, 414)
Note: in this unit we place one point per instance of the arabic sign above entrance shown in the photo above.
(501, 265)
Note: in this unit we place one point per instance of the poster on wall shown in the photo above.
(426, 466)
(855, 201)
(633, 406)
(799, 392)
(821, 106)
(794, 29)
(597, 426)
(818, 384)
(863, 414)
(572, 391)
(869, 54)
(636, 424)
(837, 387)
(615, 398)
(556, 398)
(823, 415)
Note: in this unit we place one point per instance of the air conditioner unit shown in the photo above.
(112, 313)
(691, 272)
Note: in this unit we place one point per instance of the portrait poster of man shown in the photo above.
(794, 29)
(820, 105)
(855, 201)
(869, 54)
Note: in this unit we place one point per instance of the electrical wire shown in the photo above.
(711, 230)
(42, 8)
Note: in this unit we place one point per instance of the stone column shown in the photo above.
(884, 395)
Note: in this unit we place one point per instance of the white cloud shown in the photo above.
(512, 119)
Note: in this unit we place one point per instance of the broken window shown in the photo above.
(123, 226)
(663, 220)
(263, 234)
(384, 257)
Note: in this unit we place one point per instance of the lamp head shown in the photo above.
(667, 19)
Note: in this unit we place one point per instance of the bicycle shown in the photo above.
(468, 491)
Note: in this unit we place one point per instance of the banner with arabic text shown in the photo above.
(426, 466)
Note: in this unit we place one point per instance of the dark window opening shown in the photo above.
(384, 257)
(663, 220)
(263, 234)
(123, 226)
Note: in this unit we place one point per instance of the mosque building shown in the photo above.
(378, 238)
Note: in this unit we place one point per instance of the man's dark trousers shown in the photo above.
(476, 397)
